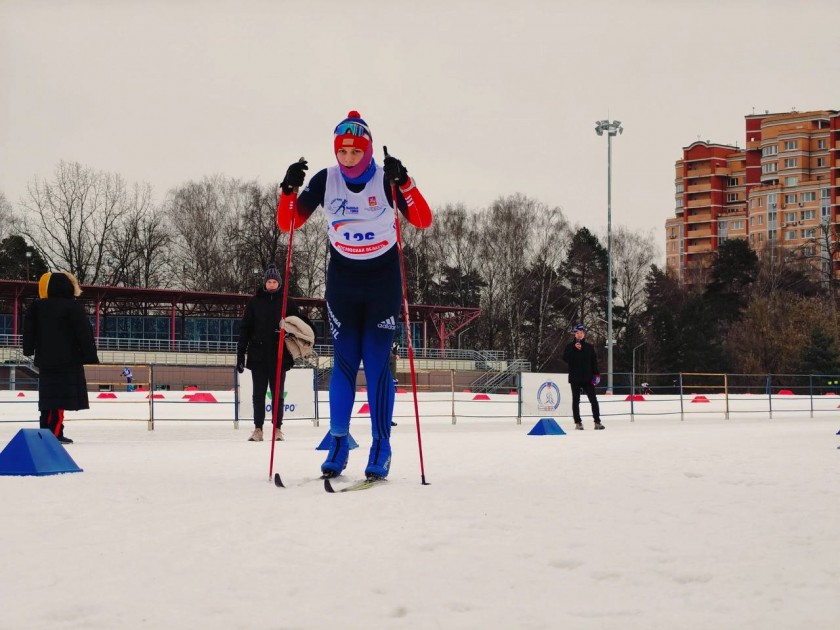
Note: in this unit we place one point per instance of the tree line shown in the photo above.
(532, 273)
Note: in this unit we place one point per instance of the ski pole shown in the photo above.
(408, 326)
(278, 384)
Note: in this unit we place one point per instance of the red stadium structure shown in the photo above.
(440, 323)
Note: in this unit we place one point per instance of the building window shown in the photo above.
(791, 162)
(791, 181)
(761, 236)
(737, 225)
(733, 181)
(679, 203)
(790, 145)
(732, 196)
(821, 143)
(790, 198)
(809, 233)
(790, 235)
(769, 150)
(808, 196)
(825, 193)
(771, 199)
(789, 217)
(770, 167)
(820, 162)
(760, 218)
(680, 187)
(808, 215)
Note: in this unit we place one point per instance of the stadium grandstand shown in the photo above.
(195, 328)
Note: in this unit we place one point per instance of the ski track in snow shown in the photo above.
(657, 523)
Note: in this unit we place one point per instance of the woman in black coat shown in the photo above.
(259, 338)
(57, 331)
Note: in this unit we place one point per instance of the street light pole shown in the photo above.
(28, 258)
(612, 128)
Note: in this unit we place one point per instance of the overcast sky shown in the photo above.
(479, 98)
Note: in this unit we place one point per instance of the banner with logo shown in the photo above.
(546, 395)
(299, 396)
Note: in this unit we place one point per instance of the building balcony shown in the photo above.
(704, 233)
(699, 172)
(699, 188)
(705, 248)
(700, 217)
(699, 203)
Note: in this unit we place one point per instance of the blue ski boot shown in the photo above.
(337, 457)
(379, 461)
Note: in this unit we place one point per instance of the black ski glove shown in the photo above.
(295, 175)
(395, 171)
(240, 364)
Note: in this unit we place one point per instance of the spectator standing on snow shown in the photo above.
(364, 281)
(583, 375)
(259, 340)
(57, 331)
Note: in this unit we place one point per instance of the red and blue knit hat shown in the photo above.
(353, 132)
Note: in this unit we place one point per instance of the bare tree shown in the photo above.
(632, 255)
(506, 232)
(310, 256)
(137, 250)
(209, 238)
(7, 217)
(152, 262)
(454, 256)
(71, 217)
(549, 243)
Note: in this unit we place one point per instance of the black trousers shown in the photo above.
(263, 378)
(589, 390)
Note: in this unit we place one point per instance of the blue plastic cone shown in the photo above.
(547, 426)
(35, 452)
(327, 442)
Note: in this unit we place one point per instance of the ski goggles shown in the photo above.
(353, 129)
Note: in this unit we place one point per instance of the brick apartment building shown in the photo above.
(781, 193)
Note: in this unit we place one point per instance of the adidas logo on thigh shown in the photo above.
(388, 324)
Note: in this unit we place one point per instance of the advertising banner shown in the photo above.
(546, 395)
(299, 396)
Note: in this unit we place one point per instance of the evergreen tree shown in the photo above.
(819, 356)
(13, 261)
(734, 270)
(585, 274)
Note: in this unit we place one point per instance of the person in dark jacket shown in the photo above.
(57, 331)
(583, 375)
(259, 338)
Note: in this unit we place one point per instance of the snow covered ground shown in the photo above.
(658, 523)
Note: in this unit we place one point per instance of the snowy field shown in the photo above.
(699, 524)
